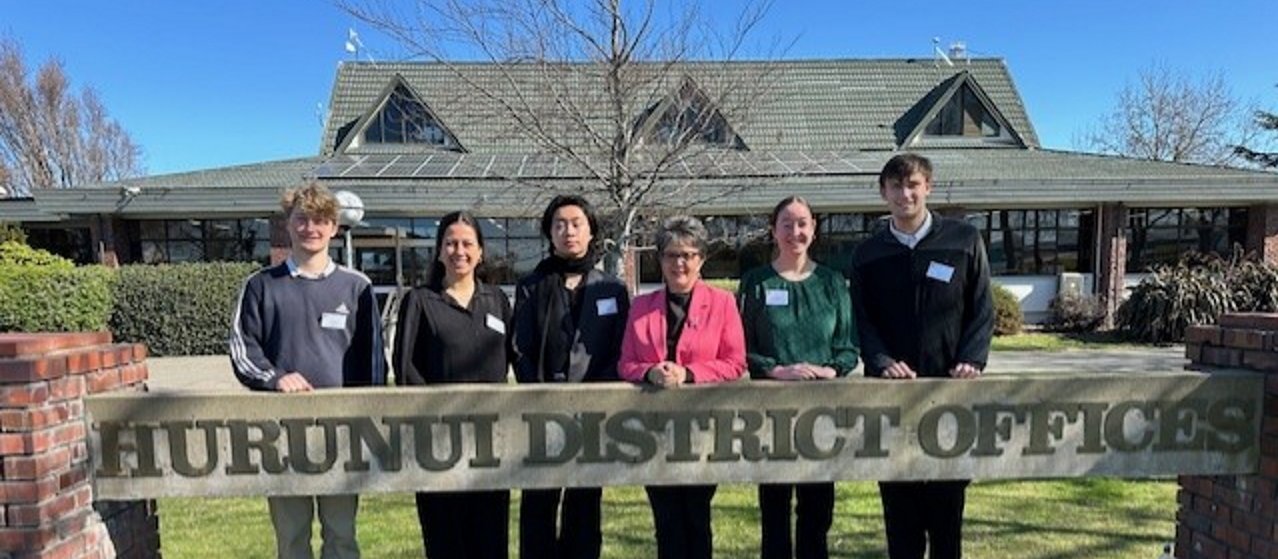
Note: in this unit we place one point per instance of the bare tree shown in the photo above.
(51, 137)
(623, 94)
(1168, 116)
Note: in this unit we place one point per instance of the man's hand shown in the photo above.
(294, 382)
(965, 370)
(667, 374)
(898, 369)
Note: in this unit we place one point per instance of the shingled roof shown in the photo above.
(823, 130)
(807, 105)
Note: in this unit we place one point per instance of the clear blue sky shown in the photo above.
(207, 84)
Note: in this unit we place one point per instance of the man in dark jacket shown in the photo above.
(921, 292)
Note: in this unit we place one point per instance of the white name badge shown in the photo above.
(333, 321)
(776, 298)
(495, 324)
(606, 306)
(940, 272)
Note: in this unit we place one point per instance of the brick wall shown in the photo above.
(46, 499)
(1235, 517)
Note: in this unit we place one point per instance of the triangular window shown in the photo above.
(687, 117)
(966, 116)
(404, 119)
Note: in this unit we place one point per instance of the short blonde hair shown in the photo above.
(313, 199)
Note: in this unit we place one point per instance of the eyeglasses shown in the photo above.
(688, 256)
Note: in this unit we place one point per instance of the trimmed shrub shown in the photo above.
(1007, 312)
(43, 292)
(178, 309)
(1075, 313)
(12, 232)
(15, 253)
(1197, 290)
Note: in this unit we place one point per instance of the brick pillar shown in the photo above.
(46, 499)
(1111, 246)
(1262, 231)
(281, 245)
(1234, 516)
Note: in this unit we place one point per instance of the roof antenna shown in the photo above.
(939, 54)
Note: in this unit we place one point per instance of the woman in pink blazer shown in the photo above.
(687, 333)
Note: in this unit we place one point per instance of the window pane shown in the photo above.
(493, 228)
(223, 229)
(151, 230)
(185, 251)
(185, 229)
(224, 251)
(261, 252)
(154, 253)
(424, 228)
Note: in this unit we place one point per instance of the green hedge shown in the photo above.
(1007, 312)
(12, 232)
(42, 292)
(178, 309)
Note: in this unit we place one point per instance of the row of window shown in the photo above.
(1018, 242)
(687, 116)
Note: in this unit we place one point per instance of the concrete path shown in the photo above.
(213, 372)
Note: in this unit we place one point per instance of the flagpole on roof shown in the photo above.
(354, 46)
(936, 50)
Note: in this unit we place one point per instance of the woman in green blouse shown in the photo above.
(798, 324)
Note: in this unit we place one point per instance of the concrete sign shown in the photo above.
(483, 437)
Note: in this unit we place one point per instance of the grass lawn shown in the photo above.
(1095, 518)
(1051, 341)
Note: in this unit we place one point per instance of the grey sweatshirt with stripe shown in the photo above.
(326, 328)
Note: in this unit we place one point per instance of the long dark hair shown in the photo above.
(562, 200)
(435, 279)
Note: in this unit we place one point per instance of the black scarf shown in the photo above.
(554, 311)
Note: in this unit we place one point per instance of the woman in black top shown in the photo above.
(454, 330)
(569, 320)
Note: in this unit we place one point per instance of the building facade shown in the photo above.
(416, 140)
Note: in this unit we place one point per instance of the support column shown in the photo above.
(47, 508)
(1234, 516)
(1111, 250)
(1262, 231)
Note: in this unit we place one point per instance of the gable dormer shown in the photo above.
(400, 117)
(687, 116)
(956, 113)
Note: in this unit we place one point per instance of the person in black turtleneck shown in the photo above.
(569, 320)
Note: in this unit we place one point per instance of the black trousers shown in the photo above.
(924, 515)
(465, 525)
(814, 512)
(681, 515)
(547, 531)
